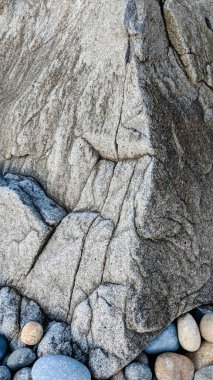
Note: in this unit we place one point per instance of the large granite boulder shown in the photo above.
(108, 105)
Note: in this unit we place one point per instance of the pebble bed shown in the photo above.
(42, 350)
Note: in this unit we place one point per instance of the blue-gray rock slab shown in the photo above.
(59, 367)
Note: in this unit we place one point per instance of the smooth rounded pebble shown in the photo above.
(23, 374)
(3, 346)
(188, 333)
(5, 373)
(138, 371)
(206, 327)
(59, 367)
(32, 333)
(172, 366)
(205, 373)
(142, 358)
(166, 341)
(203, 356)
(20, 358)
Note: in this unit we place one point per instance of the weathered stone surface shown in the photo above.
(27, 218)
(108, 105)
(57, 340)
(172, 366)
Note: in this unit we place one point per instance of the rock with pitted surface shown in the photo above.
(107, 105)
(172, 366)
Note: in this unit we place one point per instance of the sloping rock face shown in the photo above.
(109, 106)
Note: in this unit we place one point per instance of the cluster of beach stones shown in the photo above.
(183, 351)
(34, 348)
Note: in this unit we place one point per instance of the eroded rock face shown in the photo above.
(108, 105)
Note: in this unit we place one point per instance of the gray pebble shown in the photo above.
(20, 358)
(56, 341)
(138, 371)
(5, 373)
(205, 373)
(23, 374)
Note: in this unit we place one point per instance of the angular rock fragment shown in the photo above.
(27, 220)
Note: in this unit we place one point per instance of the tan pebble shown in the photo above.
(203, 356)
(206, 327)
(32, 333)
(142, 358)
(172, 366)
(188, 333)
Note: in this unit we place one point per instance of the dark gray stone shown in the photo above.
(31, 311)
(20, 358)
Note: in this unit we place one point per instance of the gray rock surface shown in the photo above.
(108, 105)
